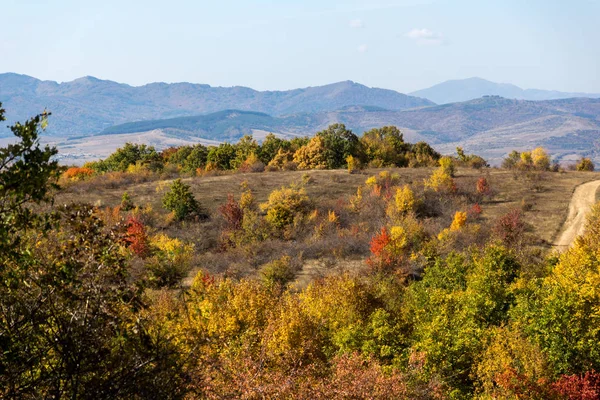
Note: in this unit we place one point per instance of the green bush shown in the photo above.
(126, 202)
(130, 154)
(180, 200)
(278, 272)
(221, 156)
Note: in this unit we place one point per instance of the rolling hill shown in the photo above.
(89, 105)
(472, 88)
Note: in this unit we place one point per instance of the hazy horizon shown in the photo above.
(285, 89)
(403, 45)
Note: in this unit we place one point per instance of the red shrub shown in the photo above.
(510, 228)
(522, 386)
(376, 191)
(483, 187)
(475, 211)
(136, 237)
(232, 213)
(380, 256)
(579, 387)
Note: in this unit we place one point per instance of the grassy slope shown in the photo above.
(548, 211)
(546, 216)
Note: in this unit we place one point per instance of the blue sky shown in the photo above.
(403, 45)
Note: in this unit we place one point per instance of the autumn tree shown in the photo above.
(385, 146)
(283, 159)
(560, 311)
(470, 160)
(272, 145)
(540, 159)
(312, 155)
(244, 148)
(422, 154)
(511, 160)
(537, 160)
(447, 166)
(585, 164)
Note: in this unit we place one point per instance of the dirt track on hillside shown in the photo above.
(582, 201)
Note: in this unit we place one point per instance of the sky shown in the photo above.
(404, 45)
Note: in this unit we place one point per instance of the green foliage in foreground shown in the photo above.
(72, 324)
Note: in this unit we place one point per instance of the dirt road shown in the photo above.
(583, 199)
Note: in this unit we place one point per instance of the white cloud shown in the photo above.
(362, 48)
(356, 24)
(425, 37)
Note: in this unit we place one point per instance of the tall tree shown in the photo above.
(339, 143)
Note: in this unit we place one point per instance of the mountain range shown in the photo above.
(92, 117)
(490, 126)
(89, 105)
(472, 88)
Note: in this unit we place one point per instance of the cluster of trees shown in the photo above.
(328, 149)
(584, 164)
(446, 310)
(537, 159)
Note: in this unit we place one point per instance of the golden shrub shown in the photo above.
(78, 173)
(285, 206)
(312, 155)
(440, 181)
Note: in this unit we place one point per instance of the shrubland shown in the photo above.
(432, 282)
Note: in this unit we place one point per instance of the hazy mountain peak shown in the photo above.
(459, 90)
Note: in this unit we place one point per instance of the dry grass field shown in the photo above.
(544, 202)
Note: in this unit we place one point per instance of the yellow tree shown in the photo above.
(312, 155)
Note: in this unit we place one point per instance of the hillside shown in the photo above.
(436, 280)
(89, 105)
(490, 126)
(472, 88)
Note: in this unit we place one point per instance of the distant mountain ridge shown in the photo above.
(92, 117)
(490, 126)
(460, 90)
(89, 105)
